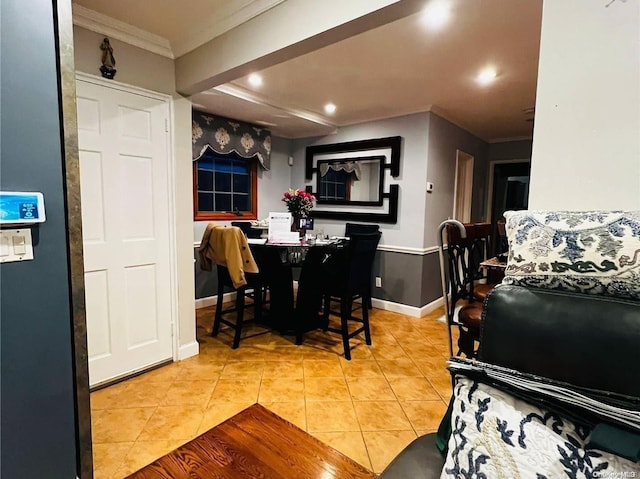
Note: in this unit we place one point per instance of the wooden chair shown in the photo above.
(463, 257)
(347, 277)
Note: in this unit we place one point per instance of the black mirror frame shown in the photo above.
(391, 216)
(378, 202)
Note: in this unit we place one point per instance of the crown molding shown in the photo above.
(247, 95)
(229, 18)
(105, 25)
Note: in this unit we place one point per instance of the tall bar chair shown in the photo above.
(347, 277)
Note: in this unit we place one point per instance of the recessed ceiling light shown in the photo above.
(436, 14)
(329, 108)
(486, 76)
(255, 79)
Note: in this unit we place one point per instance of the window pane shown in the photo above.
(341, 191)
(205, 163)
(241, 202)
(223, 202)
(205, 180)
(241, 167)
(240, 183)
(223, 182)
(222, 164)
(205, 202)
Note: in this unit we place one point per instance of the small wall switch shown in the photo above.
(429, 187)
(15, 245)
(4, 246)
(19, 247)
(378, 282)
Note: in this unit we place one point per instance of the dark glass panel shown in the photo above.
(205, 202)
(223, 202)
(205, 180)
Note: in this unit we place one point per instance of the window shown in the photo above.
(225, 187)
(335, 185)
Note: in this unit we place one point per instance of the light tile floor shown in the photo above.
(368, 408)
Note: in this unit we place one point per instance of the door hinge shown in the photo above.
(166, 125)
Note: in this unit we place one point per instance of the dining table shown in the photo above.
(495, 267)
(290, 313)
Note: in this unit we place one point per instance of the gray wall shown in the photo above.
(37, 386)
(510, 150)
(444, 139)
(408, 231)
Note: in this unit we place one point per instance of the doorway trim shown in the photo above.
(171, 185)
(464, 163)
(492, 166)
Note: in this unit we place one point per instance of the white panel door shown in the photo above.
(124, 180)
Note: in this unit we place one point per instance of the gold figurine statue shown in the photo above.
(108, 60)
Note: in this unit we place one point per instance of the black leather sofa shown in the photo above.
(587, 341)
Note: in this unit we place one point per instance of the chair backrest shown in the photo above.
(503, 242)
(361, 252)
(357, 228)
(480, 235)
(458, 265)
(228, 248)
(246, 228)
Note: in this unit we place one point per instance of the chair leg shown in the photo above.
(299, 333)
(218, 316)
(345, 314)
(365, 320)
(257, 304)
(326, 308)
(239, 318)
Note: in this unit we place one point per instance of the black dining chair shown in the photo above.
(246, 228)
(227, 247)
(254, 288)
(346, 278)
(359, 228)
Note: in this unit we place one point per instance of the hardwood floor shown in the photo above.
(254, 443)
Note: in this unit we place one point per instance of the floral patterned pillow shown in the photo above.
(595, 252)
(495, 435)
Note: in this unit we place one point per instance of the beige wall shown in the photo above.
(586, 143)
(147, 70)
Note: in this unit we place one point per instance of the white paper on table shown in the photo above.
(279, 224)
(256, 240)
(286, 238)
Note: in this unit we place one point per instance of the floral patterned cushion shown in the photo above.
(495, 435)
(595, 252)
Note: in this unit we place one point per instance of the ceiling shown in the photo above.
(396, 69)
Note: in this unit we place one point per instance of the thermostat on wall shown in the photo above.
(21, 207)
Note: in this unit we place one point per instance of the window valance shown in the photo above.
(224, 135)
(348, 166)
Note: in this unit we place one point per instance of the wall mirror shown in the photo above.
(349, 181)
(356, 181)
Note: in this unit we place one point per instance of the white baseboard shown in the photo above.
(213, 300)
(187, 350)
(412, 311)
(432, 306)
